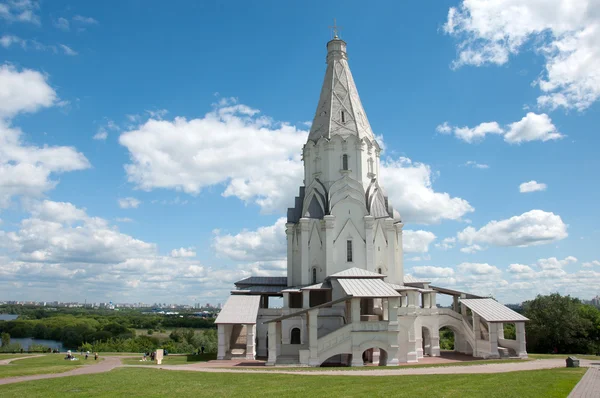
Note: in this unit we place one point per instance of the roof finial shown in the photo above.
(335, 29)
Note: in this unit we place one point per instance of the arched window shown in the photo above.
(314, 275)
(379, 270)
(344, 162)
(343, 117)
(295, 336)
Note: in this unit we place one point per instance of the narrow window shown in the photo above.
(379, 271)
(343, 117)
(295, 336)
(344, 162)
(349, 251)
(314, 275)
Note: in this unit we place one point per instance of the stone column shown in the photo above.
(391, 251)
(313, 336)
(222, 350)
(355, 305)
(419, 339)
(412, 301)
(386, 313)
(329, 251)
(392, 309)
(500, 329)
(250, 346)
(278, 338)
(304, 231)
(463, 308)
(522, 352)
(476, 326)
(272, 337)
(289, 231)
(369, 222)
(435, 343)
(399, 254)
(305, 298)
(493, 337)
(433, 303)
(286, 300)
(455, 305)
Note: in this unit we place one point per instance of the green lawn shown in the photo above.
(562, 356)
(51, 363)
(427, 365)
(552, 383)
(170, 359)
(11, 356)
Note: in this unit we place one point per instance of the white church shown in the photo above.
(346, 300)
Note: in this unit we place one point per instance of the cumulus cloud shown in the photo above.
(472, 163)
(532, 127)
(520, 269)
(591, 264)
(183, 252)
(23, 90)
(410, 191)
(472, 249)
(59, 247)
(429, 271)
(532, 186)
(255, 158)
(85, 20)
(263, 244)
(446, 243)
(8, 41)
(417, 241)
(129, 203)
(535, 227)
(565, 32)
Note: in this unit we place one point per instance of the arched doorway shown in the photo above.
(426, 341)
(375, 356)
(295, 336)
(452, 339)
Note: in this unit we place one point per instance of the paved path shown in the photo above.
(589, 385)
(109, 363)
(8, 361)
(483, 368)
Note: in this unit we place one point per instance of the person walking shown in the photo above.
(95, 356)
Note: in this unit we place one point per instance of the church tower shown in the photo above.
(342, 217)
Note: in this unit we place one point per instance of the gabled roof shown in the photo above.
(239, 309)
(371, 287)
(319, 286)
(263, 281)
(257, 289)
(492, 311)
(356, 273)
(412, 279)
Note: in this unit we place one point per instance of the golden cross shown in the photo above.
(335, 29)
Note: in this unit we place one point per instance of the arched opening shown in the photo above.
(453, 343)
(375, 356)
(295, 336)
(344, 162)
(426, 341)
(337, 361)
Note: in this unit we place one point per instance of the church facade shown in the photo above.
(346, 299)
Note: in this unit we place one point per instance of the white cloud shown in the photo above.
(20, 11)
(444, 128)
(7, 41)
(534, 227)
(123, 219)
(264, 244)
(446, 243)
(565, 32)
(157, 114)
(23, 90)
(67, 50)
(101, 135)
(429, 271)
(532, 186)
(554, 263)
(85, 20)
(472, 249)
(61, 23)
(520, 269)
(256, 159)
(590, 264)
(183, 252)
(476, 165)
(128, 203)
(410, 191)
(417, 241)
(478, 269)
(532, 127)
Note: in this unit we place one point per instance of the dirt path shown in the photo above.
(8, 361)
(108, 364)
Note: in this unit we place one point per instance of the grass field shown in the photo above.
(11, 356)
(552, 383)
(51, 363)
(171, 360)
(562, 356)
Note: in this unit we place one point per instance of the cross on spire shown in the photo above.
(335, 29)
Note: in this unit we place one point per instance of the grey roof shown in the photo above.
(451, 292)
(367, 288)
(239, 309)
(259, 289)
(356, 273)
(263, 280)
(319, 286)
(492, 311)
(412, 279)
(401, 287)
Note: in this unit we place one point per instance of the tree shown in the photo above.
(5, 337)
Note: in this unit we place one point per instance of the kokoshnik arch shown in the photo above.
(345, 298)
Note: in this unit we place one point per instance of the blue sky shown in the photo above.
(148, 150)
